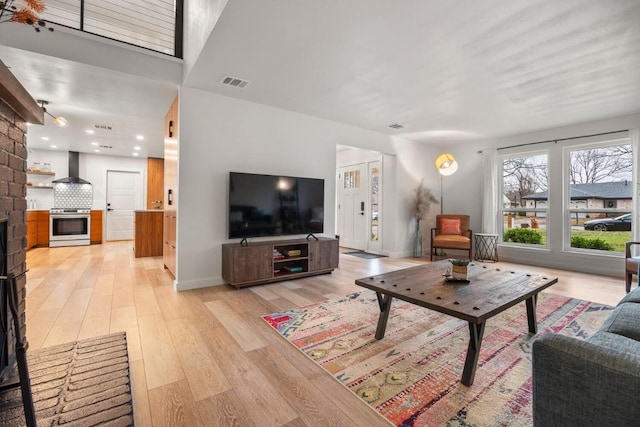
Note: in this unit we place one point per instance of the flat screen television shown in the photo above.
(271, 205)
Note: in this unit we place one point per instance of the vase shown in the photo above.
(417, 243)
(459, 272)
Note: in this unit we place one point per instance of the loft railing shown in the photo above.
(151, 24)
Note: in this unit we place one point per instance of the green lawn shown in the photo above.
(617, 239)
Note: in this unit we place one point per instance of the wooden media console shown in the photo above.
(276, 260)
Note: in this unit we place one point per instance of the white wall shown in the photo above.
(200, 18)
(463, 194)
(219, 134)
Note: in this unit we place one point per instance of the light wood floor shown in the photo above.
(205, 357)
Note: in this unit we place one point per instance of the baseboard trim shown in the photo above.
(197, 284)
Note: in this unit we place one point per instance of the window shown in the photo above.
(374, 185)
(525, 199)
(351, 179)
(600, 197)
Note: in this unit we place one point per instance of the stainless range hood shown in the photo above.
(74, 171)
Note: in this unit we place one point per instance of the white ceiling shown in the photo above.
(450, 71)
(117, 106)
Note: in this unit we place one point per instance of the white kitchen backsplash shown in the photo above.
(71, 196)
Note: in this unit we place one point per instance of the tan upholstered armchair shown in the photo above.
(451, 232)
(631, 263)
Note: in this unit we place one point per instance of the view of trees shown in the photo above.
(528, 175)
(524, 176)
(601, 165)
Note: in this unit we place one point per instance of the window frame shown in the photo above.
(503, 211)
(567, 211)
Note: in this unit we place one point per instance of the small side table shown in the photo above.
(486, 247)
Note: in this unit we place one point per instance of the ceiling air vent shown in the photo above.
(103, 127)
(397, 126)
(234, 81)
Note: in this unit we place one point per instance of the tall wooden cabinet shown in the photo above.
(170, 196)
(155, 183)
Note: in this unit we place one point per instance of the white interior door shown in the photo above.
(352, 221)
(123, 197)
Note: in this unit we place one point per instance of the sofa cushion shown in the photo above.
(624, 320)
(617, 343)
(633, 296)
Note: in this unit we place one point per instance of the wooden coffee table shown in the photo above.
(490, 291)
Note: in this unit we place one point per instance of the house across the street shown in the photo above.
(593, 198)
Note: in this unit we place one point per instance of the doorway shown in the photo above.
(352, 206)
(124, 195)
(360, 211)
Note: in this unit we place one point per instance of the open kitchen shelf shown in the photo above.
(32, 172)
(42, 183)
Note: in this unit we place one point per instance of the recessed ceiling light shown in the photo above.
(45, 138)
(137, 148)
(96, 150)
(135, 154)
(140, 137)
(90, 131)
(54, 146)
(94, 144)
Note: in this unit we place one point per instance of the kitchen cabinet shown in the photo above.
(170, 196)
(43, 228)
(155, 183)
(148, 238)
(32, 229)
(38, 224)
(275, 260)
(37, 229)
(95, 225)
(169, 244)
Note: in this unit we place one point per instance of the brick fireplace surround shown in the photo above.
(16, 108)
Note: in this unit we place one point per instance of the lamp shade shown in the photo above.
(446, 164)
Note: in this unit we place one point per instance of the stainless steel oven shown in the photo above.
(69, 227)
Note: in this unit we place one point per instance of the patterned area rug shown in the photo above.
(412, 376)
(83, 383)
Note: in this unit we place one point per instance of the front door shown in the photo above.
(123, 196)
(352, 222)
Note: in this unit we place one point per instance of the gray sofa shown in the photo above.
(592, 382)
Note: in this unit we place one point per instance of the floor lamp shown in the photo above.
(446, 165)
